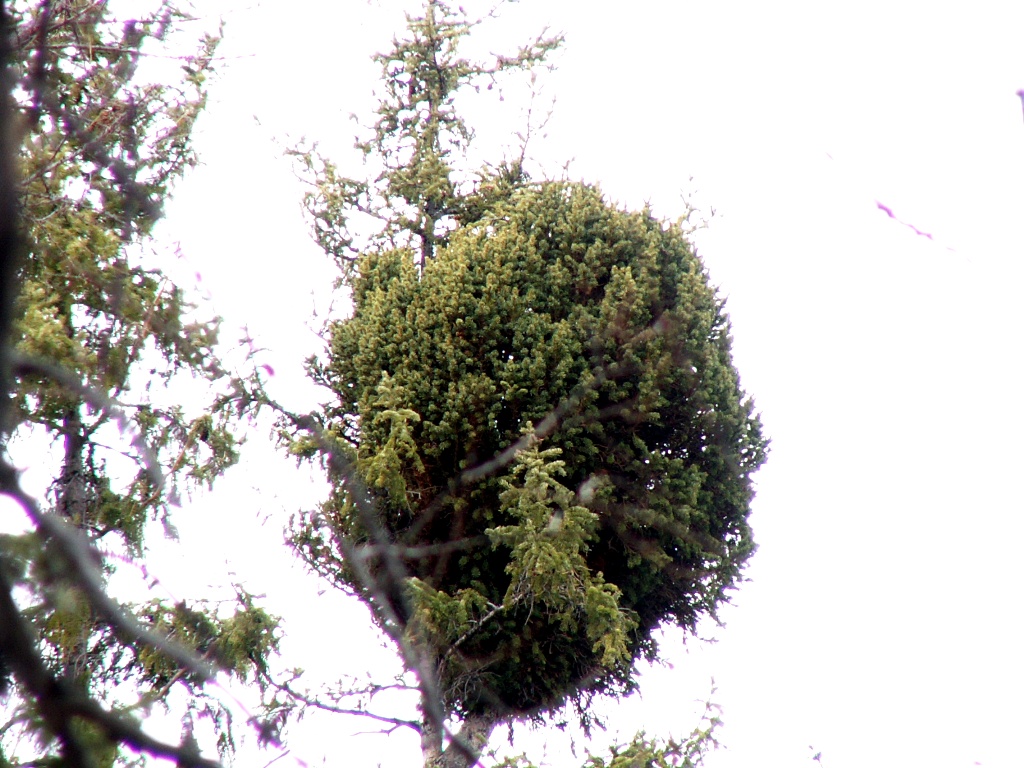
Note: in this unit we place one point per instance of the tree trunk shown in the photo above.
(71, 488)
(464, 750)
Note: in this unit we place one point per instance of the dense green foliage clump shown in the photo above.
(580, 350)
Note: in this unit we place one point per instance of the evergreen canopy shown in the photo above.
(555, 435)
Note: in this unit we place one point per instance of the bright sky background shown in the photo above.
(882, 620)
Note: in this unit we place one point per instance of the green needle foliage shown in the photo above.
(100, 335)
(416, 193)
(552, 570)
(541, 451)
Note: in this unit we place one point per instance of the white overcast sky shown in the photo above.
(882, 620)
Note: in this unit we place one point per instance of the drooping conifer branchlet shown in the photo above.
(415, 146)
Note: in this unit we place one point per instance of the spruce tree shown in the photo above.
(539, 446)
(95, 335)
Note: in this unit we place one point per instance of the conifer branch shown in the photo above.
(83, 560)
(60, 701)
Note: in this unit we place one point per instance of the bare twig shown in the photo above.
(421, 551)
(495, 611)
(318, 704)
